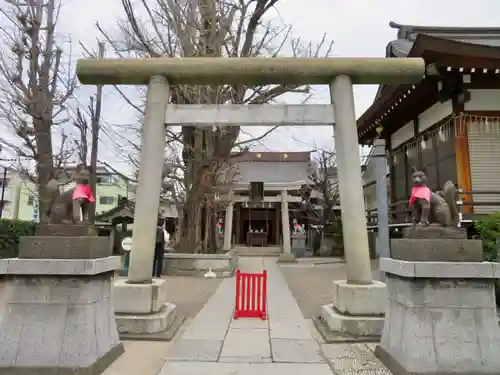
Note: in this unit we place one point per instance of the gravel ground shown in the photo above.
(190, 293)
(311, 284)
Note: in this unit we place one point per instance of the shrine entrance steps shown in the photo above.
(258, 251)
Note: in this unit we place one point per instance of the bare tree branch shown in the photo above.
(213, 28)
(34, 89)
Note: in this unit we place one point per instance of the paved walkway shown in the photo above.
(214, 344)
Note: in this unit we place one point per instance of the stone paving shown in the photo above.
(215, 344)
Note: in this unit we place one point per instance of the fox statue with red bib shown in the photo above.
(427, 207)
(72, 206)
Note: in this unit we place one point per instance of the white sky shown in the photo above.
(358, 28)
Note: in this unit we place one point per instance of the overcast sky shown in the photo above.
(358, 28)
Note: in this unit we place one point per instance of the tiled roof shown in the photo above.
(399, 48)
(124, 210)
(407, 34)
(410, 31)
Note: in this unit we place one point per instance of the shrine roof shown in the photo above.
(447, 49)
(272, 167)
(272, 172)
(408, 34)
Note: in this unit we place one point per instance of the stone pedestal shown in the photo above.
(64, 241)
(299, 244)
(142, 311)
(438, 244)
(59, 316)
(357, 310)
(441, 318)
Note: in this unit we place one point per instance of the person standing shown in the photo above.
(159, 250)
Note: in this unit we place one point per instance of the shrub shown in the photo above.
(10, 231)
(488, 229)
(334, 227)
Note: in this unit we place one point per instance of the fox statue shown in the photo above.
(428, 207)
(72, 206)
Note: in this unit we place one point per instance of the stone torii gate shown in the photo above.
(338, 73)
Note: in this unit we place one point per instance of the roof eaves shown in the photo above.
(405, 30)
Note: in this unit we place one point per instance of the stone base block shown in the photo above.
(333, 337)
(65, 230)
(352, 299)
(437, 250)
(223, 265)
(440, 326)
(59, 267)
(147, 323)
(434, 231)
(139, 298)
(351, 325)
(160, 325)
(63, 247)
(440, 270)
(58, 324)
(286, 258)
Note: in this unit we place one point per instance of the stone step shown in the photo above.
(262, 255)
(268, 251)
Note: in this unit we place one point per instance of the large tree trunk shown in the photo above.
(44, 168)
(205, 226)
(213, 243)
(180, 227)
(191, 234)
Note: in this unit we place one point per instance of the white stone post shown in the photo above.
(383, 245)
(287, 255)
(352, 201)
(149, 184)
(228, 226)
(285, 220)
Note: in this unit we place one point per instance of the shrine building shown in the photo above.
(262, 180)
(448, 123)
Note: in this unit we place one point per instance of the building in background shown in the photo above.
(21, 202)
(449, 123)
(258, 181)
(110, 187)
(10, 192)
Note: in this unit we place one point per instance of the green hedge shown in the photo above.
(488, 229)
(10, 231)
